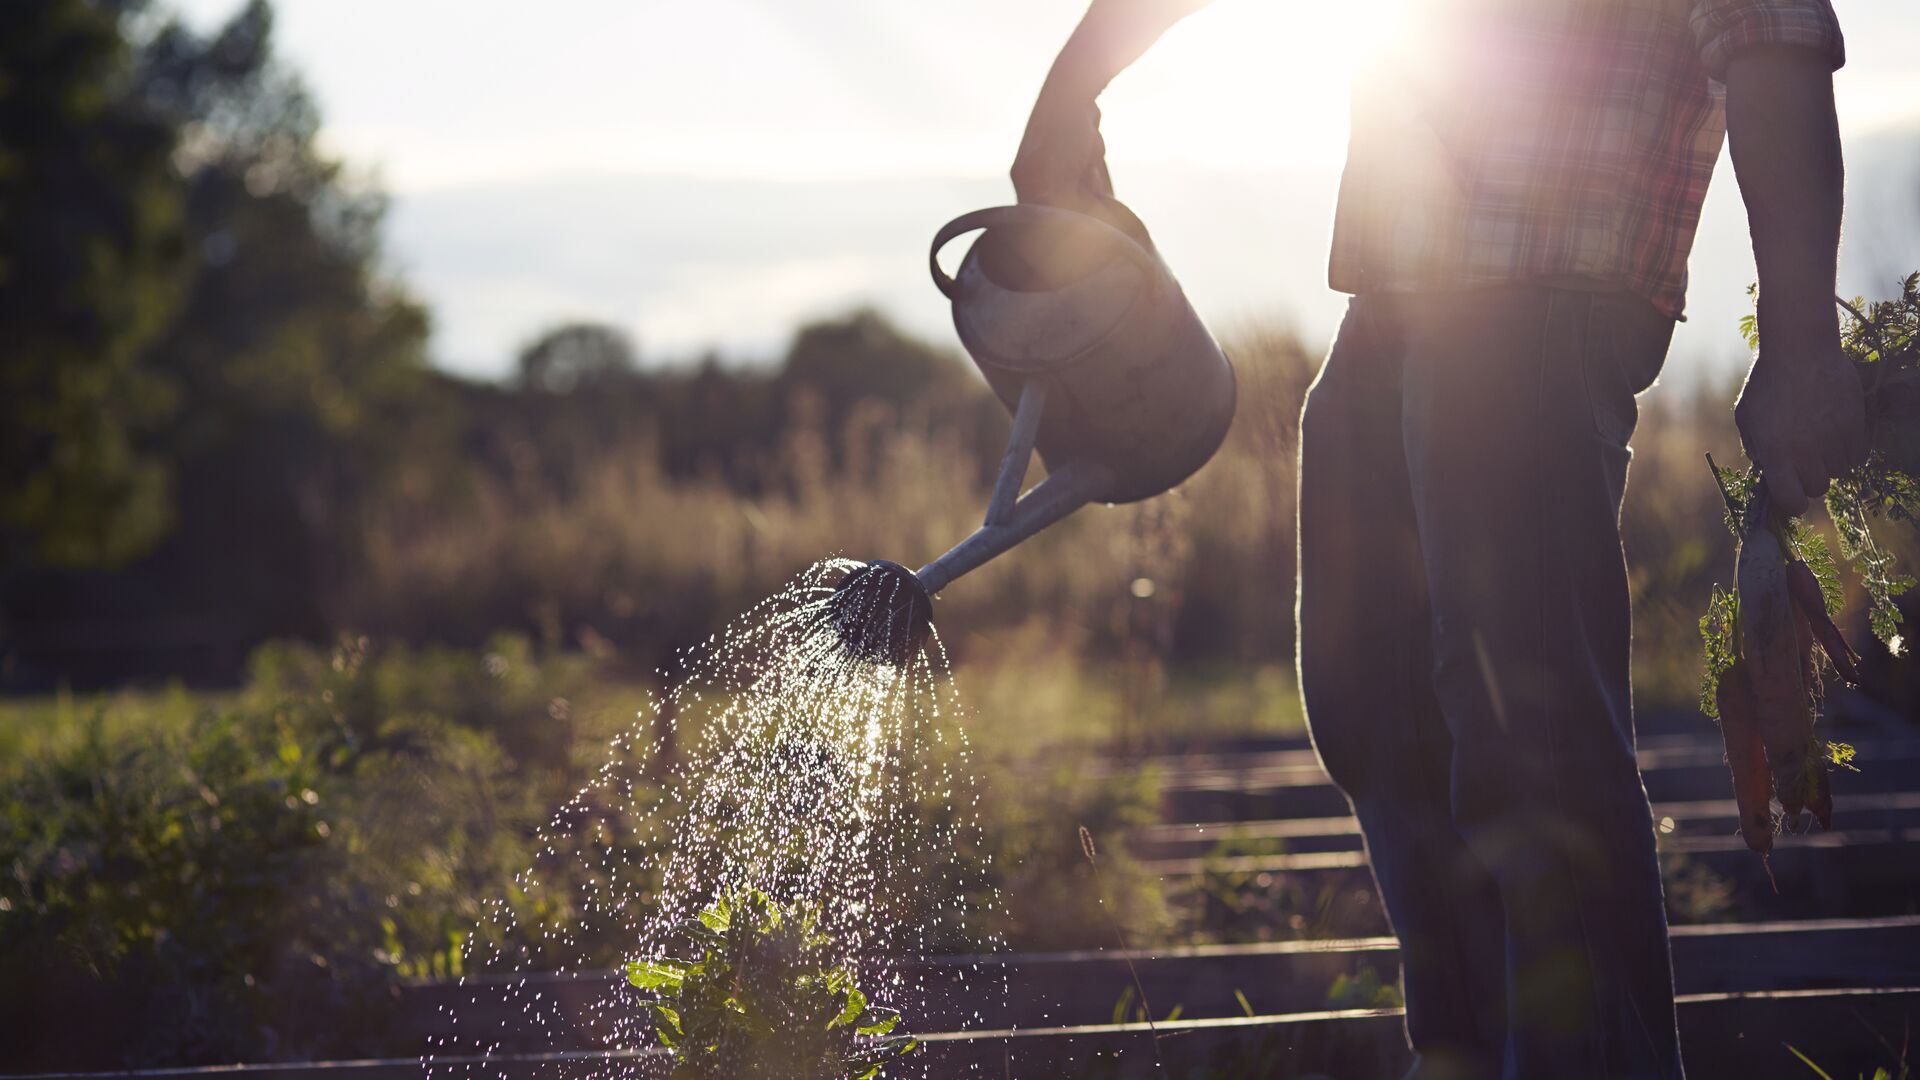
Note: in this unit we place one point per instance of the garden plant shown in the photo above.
(764, 994)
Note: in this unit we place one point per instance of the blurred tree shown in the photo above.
(302, 367)
(296, 368)
(288, 318)
(91, 253)
(834, 366)
(575, 356)
(864, 355)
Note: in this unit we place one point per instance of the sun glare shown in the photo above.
(1259, 84)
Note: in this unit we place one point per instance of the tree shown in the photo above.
(575, 356)
(288, 318)
(91, 255)
(301, 365)
(863, 355)
(207, 374)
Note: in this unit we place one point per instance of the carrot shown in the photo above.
(1813, 779)
(1820, 798)
(1812, 603)
(1770, 649)
(1803, 642)
(1806, 586)
(1747, 758)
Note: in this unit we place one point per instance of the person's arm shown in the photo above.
(1062, 158)
(1802, 412)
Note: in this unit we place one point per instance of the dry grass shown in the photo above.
(1098, 621)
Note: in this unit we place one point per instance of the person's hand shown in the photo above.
(1802, 416)
(1062, 159)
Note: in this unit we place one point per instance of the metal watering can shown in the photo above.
(1085, 336)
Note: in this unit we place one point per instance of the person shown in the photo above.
(1522, 185)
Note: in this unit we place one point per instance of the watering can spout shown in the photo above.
(881, 613)
(1110, 376)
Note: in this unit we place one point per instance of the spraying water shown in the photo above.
(826, 773)
(832, 780)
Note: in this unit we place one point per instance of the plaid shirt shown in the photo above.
(1527, 139)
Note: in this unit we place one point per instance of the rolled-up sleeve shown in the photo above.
(1723, 29)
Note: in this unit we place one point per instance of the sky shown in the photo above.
(707, 176)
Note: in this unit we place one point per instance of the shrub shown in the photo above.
(764, 995)
(253, 884)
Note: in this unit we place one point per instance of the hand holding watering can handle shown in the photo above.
(1033, 213)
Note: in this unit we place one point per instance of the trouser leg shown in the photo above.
(1366, 676)
(1518, 404)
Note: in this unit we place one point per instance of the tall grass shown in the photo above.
(629, 561)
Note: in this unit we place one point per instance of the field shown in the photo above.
(336, 819)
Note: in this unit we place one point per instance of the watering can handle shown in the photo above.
(1126, 244)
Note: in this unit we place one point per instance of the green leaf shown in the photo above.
(698, 932)
(881, 1050)
(1841, 755)
(655, 974)
(1718, 645)
(856, 1004)
(878, 1022)
(1817, 1070)
(666, 1024)
(1736, 492)
(1883, 341)
(1811, 547)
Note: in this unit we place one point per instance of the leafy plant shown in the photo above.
(1229, 902)
(1092, 853)
(1881, 1073)
(1695, 893)
(250, 875)
(1884, 340)
(763, 996)
(1363, 991)
(1126, 1009)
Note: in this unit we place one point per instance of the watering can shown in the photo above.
(1083, 333)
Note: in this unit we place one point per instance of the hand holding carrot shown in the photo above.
(1802, 416)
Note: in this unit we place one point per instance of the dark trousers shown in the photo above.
(1464, 644)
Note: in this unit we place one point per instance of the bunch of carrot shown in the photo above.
(1768, 697)
(1770, 641)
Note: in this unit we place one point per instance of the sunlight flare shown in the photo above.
(1250, 86)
